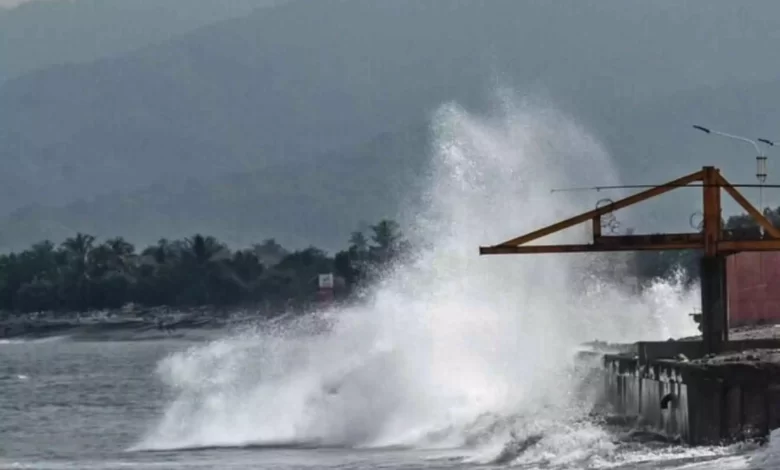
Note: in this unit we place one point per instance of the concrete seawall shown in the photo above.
(709, 400)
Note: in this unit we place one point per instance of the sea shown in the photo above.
(103, 405)
(451, 360)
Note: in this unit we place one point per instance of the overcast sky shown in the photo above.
(11, 3)
(636, 74)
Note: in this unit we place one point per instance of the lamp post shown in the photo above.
(760, 160)
(770, 143)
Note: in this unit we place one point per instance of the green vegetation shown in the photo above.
(82, 274)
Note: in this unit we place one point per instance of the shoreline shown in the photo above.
(127, 323)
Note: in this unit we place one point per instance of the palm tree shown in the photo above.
(41, 260)
(389, 243)
(76, 252)
(160, 252)
(100, 262)
(358, 242)
(203, 265)
(114, 257)
(203, 250)
(387, 235)
(78, 248)
(122, 253)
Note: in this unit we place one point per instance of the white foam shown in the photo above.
(767, 457)
(49, 339)
(451, 349)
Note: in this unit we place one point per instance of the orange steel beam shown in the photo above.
(625, 202)
(725, 247)
(675, 241)
(749, 208)
(711, 202)
(711, 240)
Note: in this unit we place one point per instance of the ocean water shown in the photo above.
(96, 405)
(451, 361)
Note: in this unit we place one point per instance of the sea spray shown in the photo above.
(450, 349)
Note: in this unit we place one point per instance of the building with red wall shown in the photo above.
(753, 288)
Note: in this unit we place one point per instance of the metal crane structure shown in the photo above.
(714, 242)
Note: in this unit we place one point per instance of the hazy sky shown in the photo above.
(11, 3)
(636, 74)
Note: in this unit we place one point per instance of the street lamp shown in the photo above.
(760, 160)
(730, 136)
(770, 143)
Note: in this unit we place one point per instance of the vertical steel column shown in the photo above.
(714, 321)
(713, 267)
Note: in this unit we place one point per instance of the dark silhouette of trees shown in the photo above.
(82, 273)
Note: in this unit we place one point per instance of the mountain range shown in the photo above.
(301, 119)
(40, 33)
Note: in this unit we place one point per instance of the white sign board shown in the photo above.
(326, 281)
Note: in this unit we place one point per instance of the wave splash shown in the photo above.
(451, 350)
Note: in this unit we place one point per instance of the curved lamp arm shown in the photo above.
(732, 136)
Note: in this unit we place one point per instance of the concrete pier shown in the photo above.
(675, 389)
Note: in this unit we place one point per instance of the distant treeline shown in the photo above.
(82, 274)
